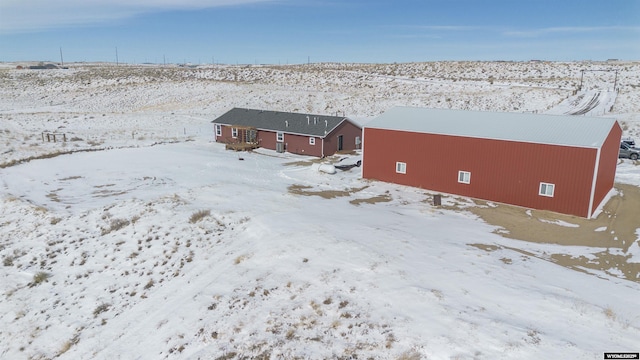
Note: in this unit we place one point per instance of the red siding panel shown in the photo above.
(267, 139)
(502, 171)
(607, 165)
(296, 144)
(349, 133)
(299, 144)
(226, 134)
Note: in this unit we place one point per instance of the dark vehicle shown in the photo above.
(627, 151)
(629, 141)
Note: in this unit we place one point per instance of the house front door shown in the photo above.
(340, 142)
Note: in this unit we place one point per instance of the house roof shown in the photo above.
(568, 130)
(292, 123)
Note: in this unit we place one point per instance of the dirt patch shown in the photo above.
(333, 159)
(304, 162)
(486, 247)
(614, 228)
(330, 194)
(43, 156)
(108, 193)
(53, 195)
(372, 200)
(326, 194)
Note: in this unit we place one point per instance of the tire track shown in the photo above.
(593, 102)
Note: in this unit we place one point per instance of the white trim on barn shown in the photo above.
(594, 182)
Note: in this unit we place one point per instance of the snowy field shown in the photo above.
(140, 238)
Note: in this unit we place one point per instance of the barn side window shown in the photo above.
(234, 132)
(312, 141)
(218, 130)
(401, 168)
(280, 136)
(464, 177)
(546, 189)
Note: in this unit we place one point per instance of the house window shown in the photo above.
(218, 130)
(312, 141)
(280, 136)
(546, 189)
(234, 132)
(401, 168)
(464, 177)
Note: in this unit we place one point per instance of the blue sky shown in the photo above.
(297, 31)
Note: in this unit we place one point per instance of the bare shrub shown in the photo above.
(68, 344)
(115, 225)
(240, 259)
(39, 278)
(7, 261)
(199, 215)
(100, 309)
(390, 340)
(149, 284)
(410, 355)
(609, 313)
(533, 337)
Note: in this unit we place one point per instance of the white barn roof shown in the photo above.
(568, 130)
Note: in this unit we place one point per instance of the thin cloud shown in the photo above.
(567, 30)
(26, 16)
(435, 31)
(449, 27)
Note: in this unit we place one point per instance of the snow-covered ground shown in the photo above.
(140, 238)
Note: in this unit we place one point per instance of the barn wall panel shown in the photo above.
(607, 165)
(501, 171)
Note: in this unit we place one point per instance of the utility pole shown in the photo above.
(61, 60)
(116, 56)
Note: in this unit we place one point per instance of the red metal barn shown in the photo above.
(306, 134)
(565, 164)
